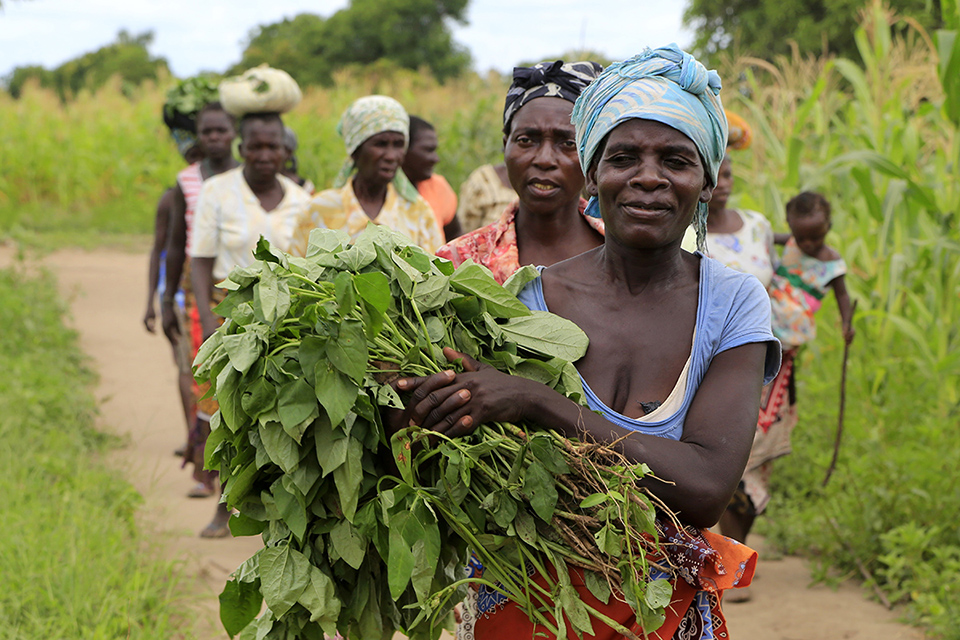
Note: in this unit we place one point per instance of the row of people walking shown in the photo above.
(680, 345)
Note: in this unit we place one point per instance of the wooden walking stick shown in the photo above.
(843, 403)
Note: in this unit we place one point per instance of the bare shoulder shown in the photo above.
(828, 253)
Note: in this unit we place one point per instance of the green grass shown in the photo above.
(73, 561)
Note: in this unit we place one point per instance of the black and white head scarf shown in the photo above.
(547, 80)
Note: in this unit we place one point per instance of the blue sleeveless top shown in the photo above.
(732, 310)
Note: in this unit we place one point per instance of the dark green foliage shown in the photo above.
(127, 57)
(411, 34)
(368, 534)
(765, 28)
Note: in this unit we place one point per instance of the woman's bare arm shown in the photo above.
(699, 472)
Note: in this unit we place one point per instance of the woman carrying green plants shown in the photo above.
(679, 344)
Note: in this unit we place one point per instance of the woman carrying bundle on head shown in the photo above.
(233, 211)
(215, 134)
(183, 132)
(679, 344)
(547, 224)
(371, 185)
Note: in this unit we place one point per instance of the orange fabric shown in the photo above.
(736, 570)
(739, 135)
(440, 196)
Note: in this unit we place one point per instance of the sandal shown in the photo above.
(200, 490)
(214, 530)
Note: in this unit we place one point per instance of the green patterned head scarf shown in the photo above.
(667, 85)
(365, 118)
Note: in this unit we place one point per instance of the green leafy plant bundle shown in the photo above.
(368, 534)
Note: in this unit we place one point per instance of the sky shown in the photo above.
(197, 35)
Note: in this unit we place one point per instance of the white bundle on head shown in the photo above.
(259, 90)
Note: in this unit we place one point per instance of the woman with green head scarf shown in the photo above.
(371, 185)
(679, 348)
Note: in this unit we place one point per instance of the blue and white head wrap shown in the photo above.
(667, 85)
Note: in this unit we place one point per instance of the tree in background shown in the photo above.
(127, 57)
(765, 28)
(412, 34)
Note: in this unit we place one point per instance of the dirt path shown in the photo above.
(138, 397)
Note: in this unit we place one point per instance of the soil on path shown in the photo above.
(138, 400)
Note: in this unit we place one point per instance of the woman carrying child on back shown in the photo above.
(807, 271)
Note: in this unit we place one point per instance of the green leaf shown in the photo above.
(545, 450)
(320, 599)
(331, 447)
(526, 527)
(326, 241)
(358, 256)
(349, 353)
(388, 397)
(476, 280)
(258, 397)
(349, 544)
(238, 486)
(239, 604)
(281, 448)
(400, 561)
(306, 474)
(608, 541)
(291, 506)
(349, 477)
(541, 488)
(243, 350)
(231, 411)
(312, 350)
(548, 334)
(267, 253)
(284, 574)
(433, 293)
(242, 525)
(345, 293)
(335, 391)
(575, 610)
(506, 511)
(593, 500)
(598, 585)
(659, 593)
(297, 403)
(271, 297)
(520, 278)
(374, 288)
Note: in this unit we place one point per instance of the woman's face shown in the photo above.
(421, 156)
(540, 152)
(379, 157)
(215, 134)
(648, 180)
(262, 149)
(721, 193)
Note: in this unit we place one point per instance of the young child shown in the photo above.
(808, 269)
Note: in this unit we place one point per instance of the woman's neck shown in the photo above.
(723, 220)
(370, 195)
(366, 190)
(217, 166)
(549, 229)
(260, 185)
(635, 270)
